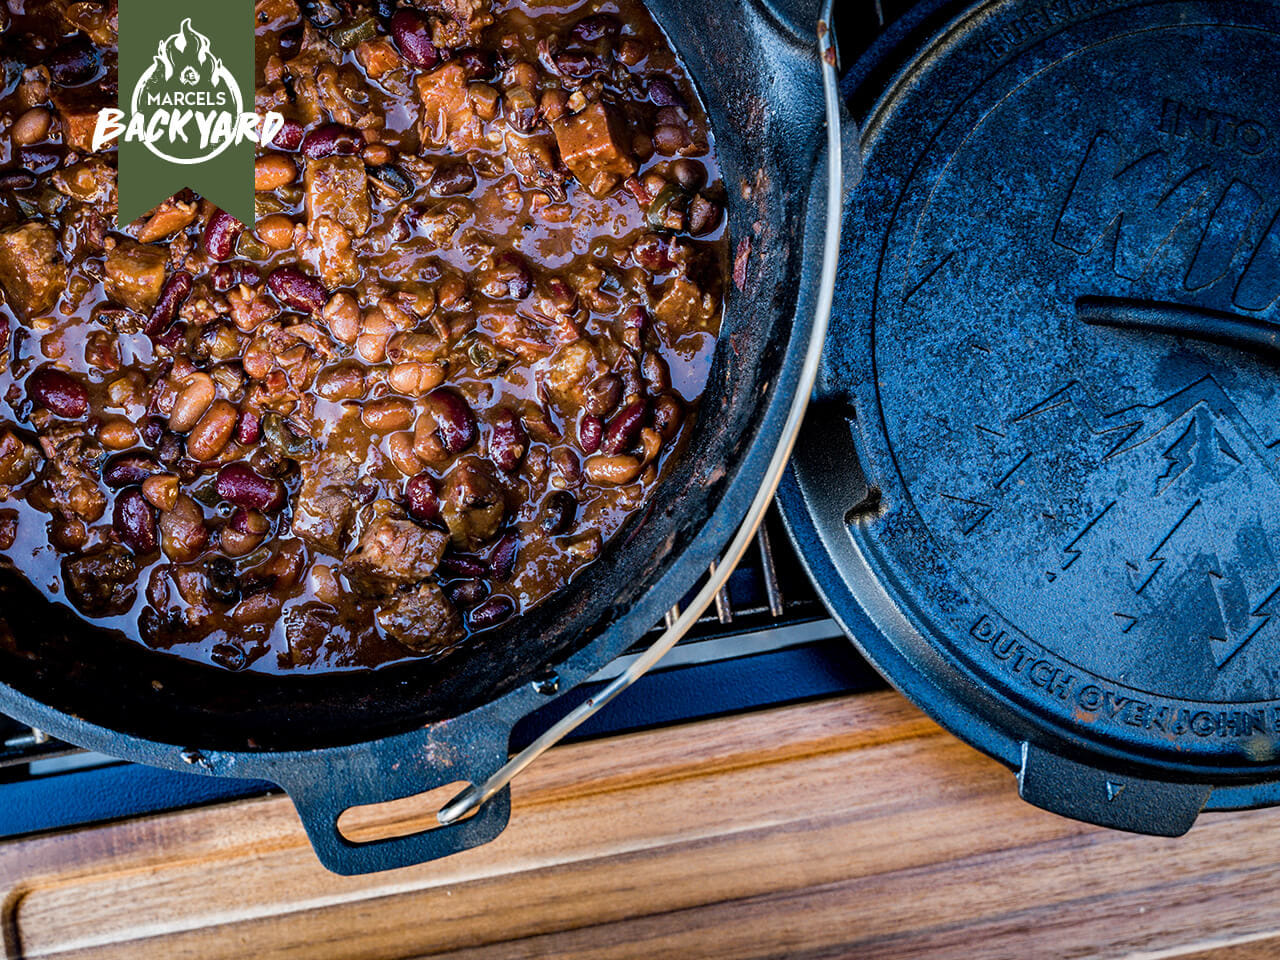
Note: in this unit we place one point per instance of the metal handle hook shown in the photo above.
(477, 794)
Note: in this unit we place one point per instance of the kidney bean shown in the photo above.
(58, 392)
(476, 64)
(422, 498)
(289, 137)
(464, 565)
(129, 469)
(244, 532)
(613, 470)
(330, 139)
(579, 64)
(467, 593)
(689, 174)
(295, 289)
(197, 393)
(502, 558)
(602, 395)
(210, 436)
(668, 414)
(412, 34)
(238, 483)
(653, 253)
(220, 235)
(173, 295)
(17, 179)
(597, 27)
(491, 613)
(623, 428)
(452, 180)
(655, 371)
(183, 534)
(664, 93)
(634, 323)
(135, 521)
(508, 441)
(590, 433)
(248, 429)
(511, 268)
(558, 512)
(75, 62)
(227, 275)
(455, 423)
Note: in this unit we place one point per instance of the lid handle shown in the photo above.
(1074, 790)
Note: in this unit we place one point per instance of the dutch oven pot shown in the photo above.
(1038, 482)
(338, 741)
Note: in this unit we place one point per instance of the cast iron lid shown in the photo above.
(1041, 482)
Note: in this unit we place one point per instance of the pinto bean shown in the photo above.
(243, 533)
(161, 491)
(415, 379)
(343, 382)
(400, 452)
(668, 414)
(195, 397)
(183, 534)
(387, 415)
(342, 314)
(32, 127)
(210, 436)
(613, 471)
(117, 434)
(273, 170)
(276, 231)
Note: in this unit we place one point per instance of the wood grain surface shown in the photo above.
(845, 828)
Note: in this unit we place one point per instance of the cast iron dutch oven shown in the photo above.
(1039, 481)
(335, 742)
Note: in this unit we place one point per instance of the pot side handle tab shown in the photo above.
(397, 769)
(1106, 799)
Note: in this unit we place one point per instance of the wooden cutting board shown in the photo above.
(845, 828)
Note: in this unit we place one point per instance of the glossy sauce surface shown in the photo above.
(451, 357)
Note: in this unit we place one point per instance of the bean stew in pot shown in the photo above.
(454, 353)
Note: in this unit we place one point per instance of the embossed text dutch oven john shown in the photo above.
(1041, 480)
(339, 741)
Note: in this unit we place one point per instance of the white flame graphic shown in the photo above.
(185, 37)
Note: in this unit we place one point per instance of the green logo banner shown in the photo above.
(185, 114)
